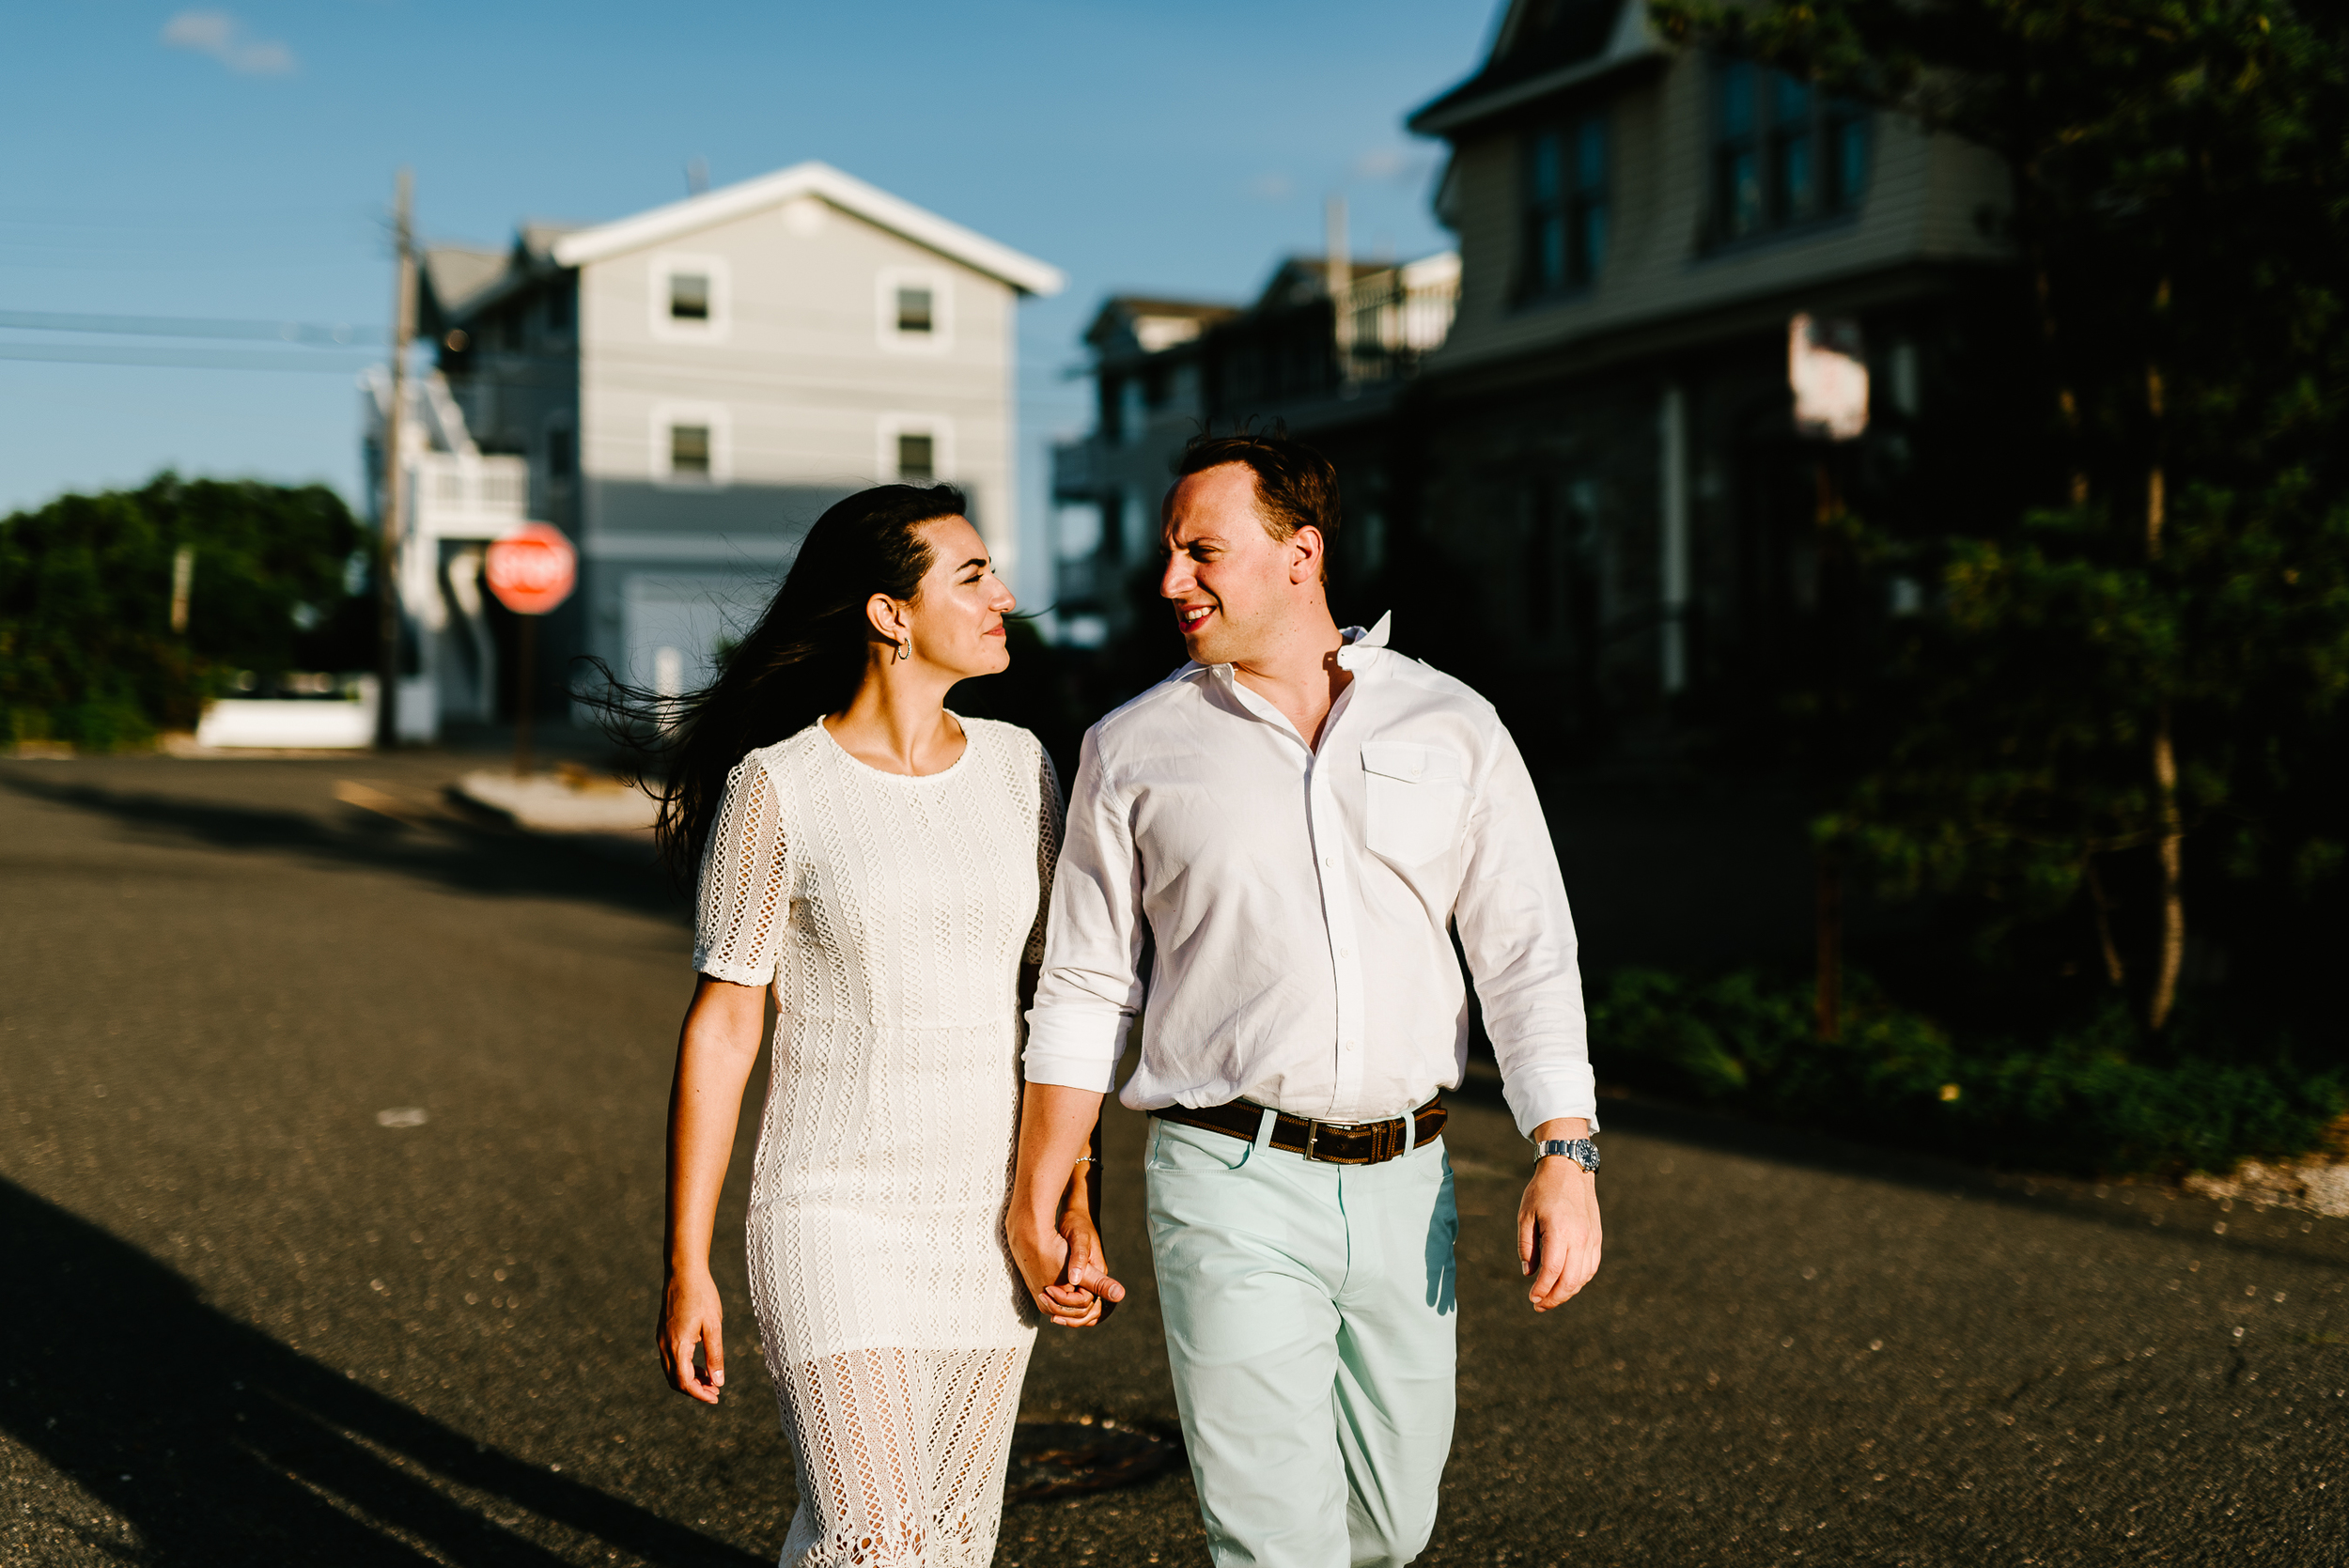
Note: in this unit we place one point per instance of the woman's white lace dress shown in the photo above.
(890, 915)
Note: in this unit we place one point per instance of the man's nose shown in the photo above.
(1176, 580)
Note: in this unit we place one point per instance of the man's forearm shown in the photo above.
(1569, 1128)
(1055, 1128)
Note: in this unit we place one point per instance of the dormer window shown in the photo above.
(1566, 206)
(1783, 152)
(689, 296)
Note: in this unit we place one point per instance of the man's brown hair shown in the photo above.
(1296, 485)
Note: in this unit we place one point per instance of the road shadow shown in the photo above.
(472, 856)
(2139, 1205)
(219, 1445)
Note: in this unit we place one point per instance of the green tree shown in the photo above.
(87, 651)
(2133, 698)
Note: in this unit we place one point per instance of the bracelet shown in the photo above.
(1085, 1160)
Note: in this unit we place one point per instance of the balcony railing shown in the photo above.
(1393, 320)
(461, 495)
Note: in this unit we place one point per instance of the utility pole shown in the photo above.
(395, 478)
(1339, 263)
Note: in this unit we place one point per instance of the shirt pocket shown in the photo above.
(1417, 797)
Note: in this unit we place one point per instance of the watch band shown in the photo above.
(1579, 1150)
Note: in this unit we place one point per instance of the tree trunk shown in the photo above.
(2165, 750)
(2115, 971)
(2172, 876)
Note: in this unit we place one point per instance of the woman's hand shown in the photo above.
(692, 1314)
(1063, 1268)
(1084, 1294)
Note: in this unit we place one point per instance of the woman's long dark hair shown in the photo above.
(805, 657)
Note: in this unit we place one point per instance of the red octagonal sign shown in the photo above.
(533, 569)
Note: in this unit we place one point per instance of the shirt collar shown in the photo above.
(1360, 644)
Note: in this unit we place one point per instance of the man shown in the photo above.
(1297, 819)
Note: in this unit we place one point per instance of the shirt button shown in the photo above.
(1345, 953)
(1349, 1044)
(1328, 860)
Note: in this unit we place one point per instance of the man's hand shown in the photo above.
(1063, 1266)
(1558, 1228)
(691, 1315)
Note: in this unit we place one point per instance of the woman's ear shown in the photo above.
(887, 616)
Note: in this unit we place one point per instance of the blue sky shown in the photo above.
(237, 164)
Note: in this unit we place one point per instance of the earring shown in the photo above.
(905, 650)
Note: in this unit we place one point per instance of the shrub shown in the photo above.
(2096, 1096)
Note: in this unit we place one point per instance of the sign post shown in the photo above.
(1827, 367)
(531, 570)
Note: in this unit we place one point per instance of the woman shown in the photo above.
(883, 865)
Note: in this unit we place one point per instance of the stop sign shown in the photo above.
(532, 571)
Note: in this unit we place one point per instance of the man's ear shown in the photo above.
(888, 617)
(1305, 554)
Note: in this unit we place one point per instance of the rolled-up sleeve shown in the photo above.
(1518, 935)
(1092, 984)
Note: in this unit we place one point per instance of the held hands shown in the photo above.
(1558, 1231)
(1063, 1266)
(691, 1315)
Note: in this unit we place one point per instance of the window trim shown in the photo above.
(941, 430)
(719, 420)
(667, 328)
(940, 339)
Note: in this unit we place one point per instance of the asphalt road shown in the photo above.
(246, 1322)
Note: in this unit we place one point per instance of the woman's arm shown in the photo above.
(716, 1049)
(1051, 1227)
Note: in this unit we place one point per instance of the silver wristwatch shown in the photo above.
(1579, 1150)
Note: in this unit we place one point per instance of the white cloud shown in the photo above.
(1398, 164)
(224, 37)
(1272, 187)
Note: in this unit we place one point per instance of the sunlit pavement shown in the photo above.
(247, 1321)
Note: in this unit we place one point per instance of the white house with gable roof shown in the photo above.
(685, 391)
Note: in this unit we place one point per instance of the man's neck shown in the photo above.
(1299, 674)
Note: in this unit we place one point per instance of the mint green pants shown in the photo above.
(1309, 1321)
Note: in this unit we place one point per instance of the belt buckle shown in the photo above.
(1313, 1137)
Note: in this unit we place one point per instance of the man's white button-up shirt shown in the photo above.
(1299, 902)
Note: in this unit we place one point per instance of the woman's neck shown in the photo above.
(897, 723)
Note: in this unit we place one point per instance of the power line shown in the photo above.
(188, 358)
(303, 333)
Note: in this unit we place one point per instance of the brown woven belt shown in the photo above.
(1332, 1142)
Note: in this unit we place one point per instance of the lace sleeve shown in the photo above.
(745, 894)
(1048, 813)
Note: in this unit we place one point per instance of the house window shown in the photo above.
(913, 310)
(689, 451)
(1566, 206)
(689, 296)
(1783, 152)
(917, 458)
(561, 459)
(559, 306)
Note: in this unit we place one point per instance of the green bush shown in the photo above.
(2098, 1097)
(88, 654)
